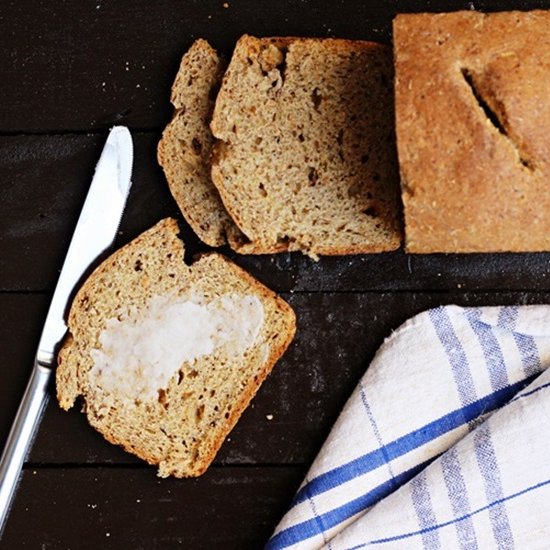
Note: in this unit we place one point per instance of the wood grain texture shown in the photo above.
(113, 508)
(122, 56)
(44, 183)
(89, 65)
(70, 70)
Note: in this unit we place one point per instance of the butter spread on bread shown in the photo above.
(141, 350)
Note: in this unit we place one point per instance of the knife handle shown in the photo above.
(21, 436)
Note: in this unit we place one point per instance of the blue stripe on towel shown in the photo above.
(494, 359)
(458, 497)
(425, 514)
(455, 353)
(530, 356)
(527, 345)
(508, 317)
(530, 392)
(489, 468)
(370, 461)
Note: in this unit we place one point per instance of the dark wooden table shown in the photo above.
(69, 71)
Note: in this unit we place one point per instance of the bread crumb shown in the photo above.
(225, 5)
(269, 416)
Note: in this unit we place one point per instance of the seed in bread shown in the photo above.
(166, 356)
(473, 127)
(306, 158)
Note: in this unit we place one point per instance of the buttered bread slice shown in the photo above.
(166, 356)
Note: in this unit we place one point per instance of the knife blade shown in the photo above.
(94, 233)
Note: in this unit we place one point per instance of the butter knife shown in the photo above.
(94, 233)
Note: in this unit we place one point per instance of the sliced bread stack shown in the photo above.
(186, 145)
(301, 155)
(166, 356)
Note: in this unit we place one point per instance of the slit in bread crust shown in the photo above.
(496, 116)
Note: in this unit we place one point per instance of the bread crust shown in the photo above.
(472, 123)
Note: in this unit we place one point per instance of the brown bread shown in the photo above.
(307, 157)
(180, 424)
(185, 148)
(473, 120)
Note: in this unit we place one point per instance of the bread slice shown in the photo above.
(307, 157)
(473, 127)
(166, 356)
(185, 148)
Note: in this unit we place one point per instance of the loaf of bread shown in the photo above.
(473, 130)
(306, 158)
(166, 356)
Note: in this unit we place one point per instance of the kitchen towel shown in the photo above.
(436, 381)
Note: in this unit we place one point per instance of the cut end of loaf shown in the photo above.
(181, 425)
(306, 158)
